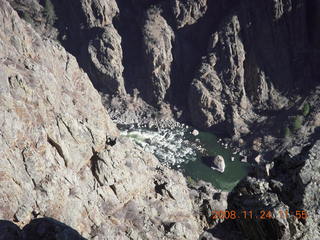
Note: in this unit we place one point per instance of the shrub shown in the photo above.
(297, 122)
(49, 12)
(306, 109)
(287, 132)
(190, 181)
(26, 16)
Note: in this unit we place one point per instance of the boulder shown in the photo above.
(218, 164)
(195, 132)
(257, 159)
(215, 162)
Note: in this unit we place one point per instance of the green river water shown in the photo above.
(234, 171)
(178, 149)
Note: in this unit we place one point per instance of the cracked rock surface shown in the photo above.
(62, 157)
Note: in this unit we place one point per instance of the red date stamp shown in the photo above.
(261, 215)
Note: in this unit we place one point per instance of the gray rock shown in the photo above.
(208, 88)
(188, 12)
(102, 54)
(157, 40)
(105, 55)
(233, 82)
(195, 132)
(99, 13)
(85, 29)
(57, 161)
(254, 195)
(292, 184)
(54, 128)
(218, 163)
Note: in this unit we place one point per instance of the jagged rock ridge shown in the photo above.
(61, 156)
(244, 69)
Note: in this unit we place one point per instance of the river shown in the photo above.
(179, 149)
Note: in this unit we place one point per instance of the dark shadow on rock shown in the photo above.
(226, 230)
(74, 34)
(9, 231)
(50, 229)
(38, 229)
(190, 45)
(129, 26)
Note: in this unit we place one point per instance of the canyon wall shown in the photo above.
(241, 69)
(226, 65)
(62, 156)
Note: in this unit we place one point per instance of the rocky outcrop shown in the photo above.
(242, 68)
(85, 29)
(158, 37)
(226, 65)
(216, 163)
(223, 64)
(221, 80)
(99, 13)
(47, 128)
(219, 164)
(187, 12)
(62, 157)
(292, 187)
(102, 47)
(255, 195)
(36, 15)
(240, 75)
(105, 54)
(101, 44)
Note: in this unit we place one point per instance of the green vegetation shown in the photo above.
(287, 132)
(306, 109)
(297, 122)
(49, 12)
(190, 181)
(26, 16)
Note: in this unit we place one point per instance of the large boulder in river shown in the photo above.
(218, 164)
(215, 162)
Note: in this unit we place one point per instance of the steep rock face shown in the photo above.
(249, 66)
(104, 46)
(85, 29)
(258, 56)
(188, 12)
(148, 30)
(38, 105)
(105, 54)
(55, 157)
(292, 187)
(158, 37)
(99, 12)
(35, 14)
(221, 81)
(46, 118)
